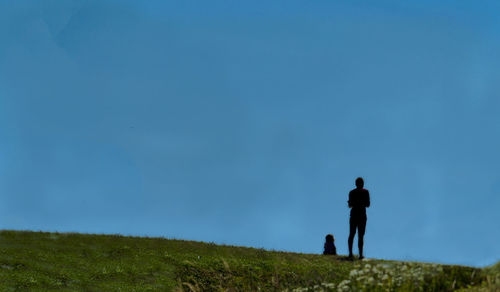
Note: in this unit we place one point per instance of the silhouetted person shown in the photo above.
(359, 200)
(330, 245)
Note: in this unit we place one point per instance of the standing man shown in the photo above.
(359, 200)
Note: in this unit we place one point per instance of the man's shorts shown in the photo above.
(357, 223)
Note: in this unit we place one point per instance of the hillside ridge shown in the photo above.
(99, 262)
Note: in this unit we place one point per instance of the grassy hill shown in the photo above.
(88, 262)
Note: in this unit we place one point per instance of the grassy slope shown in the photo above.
(71, 261)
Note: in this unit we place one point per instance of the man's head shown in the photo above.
(360, 183)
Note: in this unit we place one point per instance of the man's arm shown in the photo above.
(367, 199)
(349, 202)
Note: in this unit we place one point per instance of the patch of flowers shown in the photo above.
(386, 276)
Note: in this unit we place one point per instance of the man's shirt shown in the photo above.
(359, 200)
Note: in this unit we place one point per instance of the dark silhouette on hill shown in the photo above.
(359, 200)
(330, 245)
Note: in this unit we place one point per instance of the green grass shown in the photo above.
(88, 262)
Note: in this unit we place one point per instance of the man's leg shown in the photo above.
(352, 232)
(361, 234)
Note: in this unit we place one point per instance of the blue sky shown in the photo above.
(246, 123)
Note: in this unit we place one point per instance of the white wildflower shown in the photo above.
(345, 282)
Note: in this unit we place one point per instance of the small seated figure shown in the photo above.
(330, 245)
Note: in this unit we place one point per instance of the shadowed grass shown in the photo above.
(89, 262)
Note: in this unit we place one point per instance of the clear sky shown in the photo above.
(247, 122)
